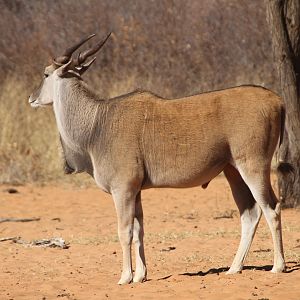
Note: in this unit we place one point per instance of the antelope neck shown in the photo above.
(76, 109)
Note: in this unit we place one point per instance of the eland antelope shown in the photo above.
(139, 140)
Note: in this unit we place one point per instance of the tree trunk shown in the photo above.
(284, 21)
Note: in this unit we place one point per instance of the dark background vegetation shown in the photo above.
(170, 47)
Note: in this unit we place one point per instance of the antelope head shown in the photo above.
(64, 66)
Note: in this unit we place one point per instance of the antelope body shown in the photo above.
(140, 140)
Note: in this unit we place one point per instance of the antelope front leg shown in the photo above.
(125, 207)
(138, 236)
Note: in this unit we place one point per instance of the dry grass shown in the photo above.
(28, 138)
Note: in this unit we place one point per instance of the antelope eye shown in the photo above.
(46, 75)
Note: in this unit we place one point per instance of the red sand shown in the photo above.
(182, 218)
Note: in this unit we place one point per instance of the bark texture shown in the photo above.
(284, 20)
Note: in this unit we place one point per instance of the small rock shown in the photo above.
(56, 219)
(11, 191)
(168, 249)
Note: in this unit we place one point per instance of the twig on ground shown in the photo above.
(18, 220)
(52, 243)
(228, 214)
(262, 250)
(166, 277)
(9, 239)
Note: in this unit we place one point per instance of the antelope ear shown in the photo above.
(66, 71)
(84, 67)
(72, 73)
(63, 70)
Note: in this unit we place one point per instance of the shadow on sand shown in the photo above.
(292, 266)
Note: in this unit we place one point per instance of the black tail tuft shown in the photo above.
(282, 123)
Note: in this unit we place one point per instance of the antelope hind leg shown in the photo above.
(260, 186)
(250, 214)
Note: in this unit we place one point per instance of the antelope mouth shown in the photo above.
(32, 102)
(35, 103)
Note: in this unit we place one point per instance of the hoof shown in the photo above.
(139, 278)
(232, 271)
(126, 279)
(280, 269)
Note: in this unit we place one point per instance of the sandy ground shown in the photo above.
(190, 220)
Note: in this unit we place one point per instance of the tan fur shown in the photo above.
(140, 141)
